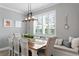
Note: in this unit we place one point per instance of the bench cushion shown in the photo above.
(63, 48)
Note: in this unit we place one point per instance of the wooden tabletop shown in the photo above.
(37, 44)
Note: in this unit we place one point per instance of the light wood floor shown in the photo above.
(4, 53)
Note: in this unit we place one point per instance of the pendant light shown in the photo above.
(29, 16)
(66, 26)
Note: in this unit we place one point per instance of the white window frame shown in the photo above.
(50, 12)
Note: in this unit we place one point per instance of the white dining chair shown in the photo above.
(10, 39)
(18, 35)
(24, 47)
(48, 49)
(16, 45)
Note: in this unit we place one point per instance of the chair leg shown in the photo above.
(14, 54)
(9, 53)
(51, 54)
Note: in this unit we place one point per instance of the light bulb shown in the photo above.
(25, 18)
(33, 17)
(66, 26)
(29, 18)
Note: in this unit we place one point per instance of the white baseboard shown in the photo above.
(5, 48)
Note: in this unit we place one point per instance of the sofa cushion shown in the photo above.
(75, 43)
(58, 41)
(71, 38)
(66, 49)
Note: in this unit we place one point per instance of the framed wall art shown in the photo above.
(7, 23)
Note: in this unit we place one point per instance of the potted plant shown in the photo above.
(29, 37)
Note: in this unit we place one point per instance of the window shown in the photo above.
(46, 24)
(18, 24)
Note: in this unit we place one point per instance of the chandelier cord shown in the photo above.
(29, 10)
(29, 7)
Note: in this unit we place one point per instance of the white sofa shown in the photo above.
(60, 50)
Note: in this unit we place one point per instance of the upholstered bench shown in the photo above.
(64, 51)
(61, 50)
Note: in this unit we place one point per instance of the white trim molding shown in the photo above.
(35, 10)
(14, 10)
(5, 48)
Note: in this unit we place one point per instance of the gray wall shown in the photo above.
(4, 32)
(73, 18)
(72, 11)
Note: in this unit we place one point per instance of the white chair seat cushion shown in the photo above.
(63, 48)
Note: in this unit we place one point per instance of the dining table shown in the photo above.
(37, 44)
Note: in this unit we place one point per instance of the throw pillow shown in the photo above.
(71, 38)
(67, 44)
(58, 41)
(75, 43)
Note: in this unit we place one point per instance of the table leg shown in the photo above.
(34, 52)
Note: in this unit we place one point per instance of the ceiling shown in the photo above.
(23, 7)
